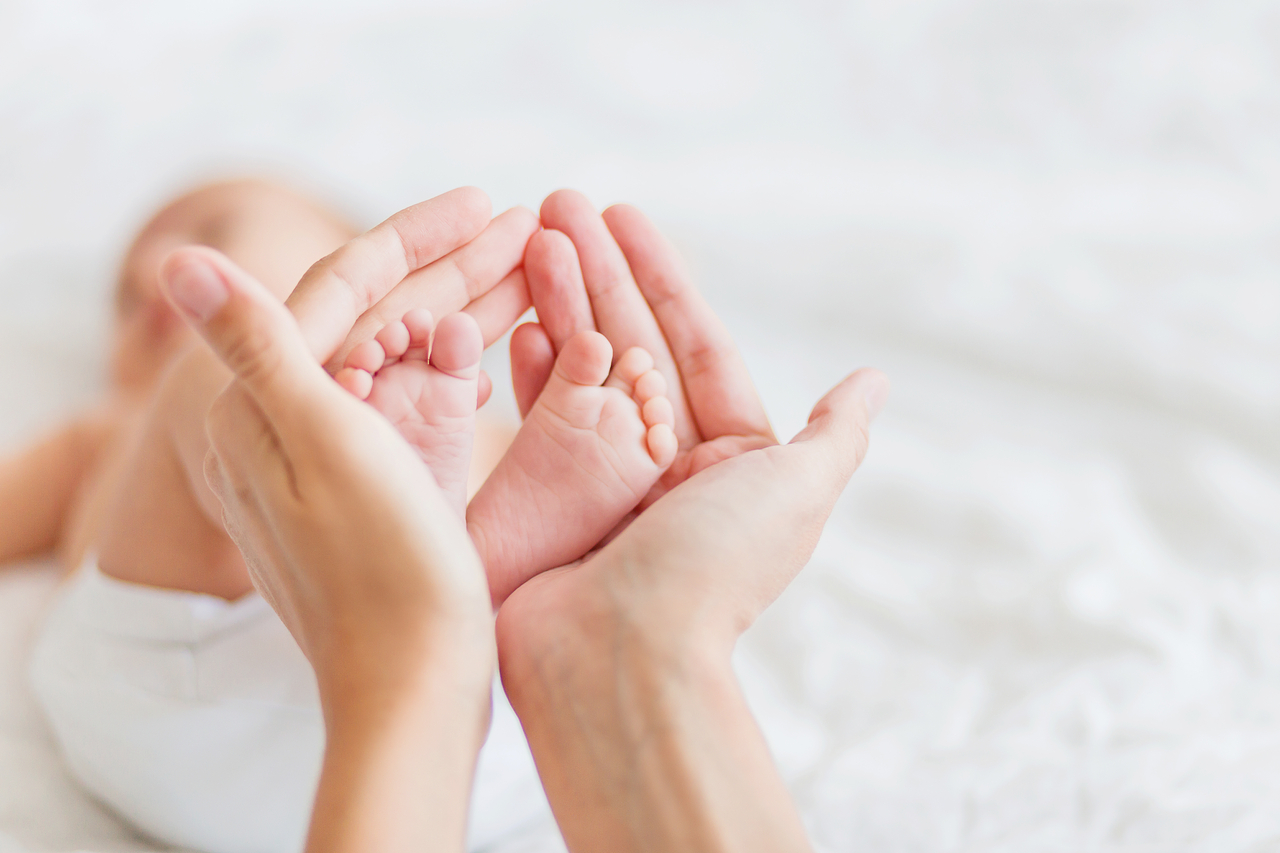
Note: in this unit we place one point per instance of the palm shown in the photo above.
(675, 554)
(703, 544)
(690, 461)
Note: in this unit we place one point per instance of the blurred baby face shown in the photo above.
(148, 332)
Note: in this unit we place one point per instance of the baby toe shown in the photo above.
(662, 444)
(394, 339)
(368, 356)
(584, 360)
(458, 346)
(633, 364)
(650, 385)
(358, 382)
(658, 410)
(418, 322)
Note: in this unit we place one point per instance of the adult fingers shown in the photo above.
(450, 283)
(556, 287)
(533, 356)
(250, 331)
(341, 287)
(500, 308)
(794, 498)
(839, 426)
(620, 311)
(721, 395)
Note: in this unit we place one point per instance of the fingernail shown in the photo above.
(198, 290)
(877, 395)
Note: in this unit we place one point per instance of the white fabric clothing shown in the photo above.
(198, 719)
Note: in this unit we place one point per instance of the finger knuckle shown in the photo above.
(252, 354)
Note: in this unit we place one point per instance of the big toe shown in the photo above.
(585, 359)
(458, 346)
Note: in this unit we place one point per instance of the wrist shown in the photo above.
(601, 640)
(642, 736)
(362, 685)
(399, 762)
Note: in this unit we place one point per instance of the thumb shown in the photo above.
(247, 327)
(839, 425)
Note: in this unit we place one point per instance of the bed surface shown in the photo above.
(1046, 614)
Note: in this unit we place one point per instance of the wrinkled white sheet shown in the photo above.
(1046, 615)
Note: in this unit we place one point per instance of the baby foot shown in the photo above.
(427, 388)
(591, 447)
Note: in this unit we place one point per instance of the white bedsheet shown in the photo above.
(1046, 615)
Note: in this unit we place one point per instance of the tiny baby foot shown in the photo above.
(426, 387)
(591, 447)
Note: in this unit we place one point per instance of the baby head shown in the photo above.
(271, 230)
(147, 331)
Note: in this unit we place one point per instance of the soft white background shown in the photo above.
(1046, 616)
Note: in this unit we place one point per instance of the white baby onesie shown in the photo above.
(198, 720)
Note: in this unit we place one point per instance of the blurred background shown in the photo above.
(1046, 615)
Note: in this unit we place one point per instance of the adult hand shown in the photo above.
(443, 254)
(619, 667)
(344, 530)
(616, 274)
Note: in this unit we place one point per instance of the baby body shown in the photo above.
(178, 697)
